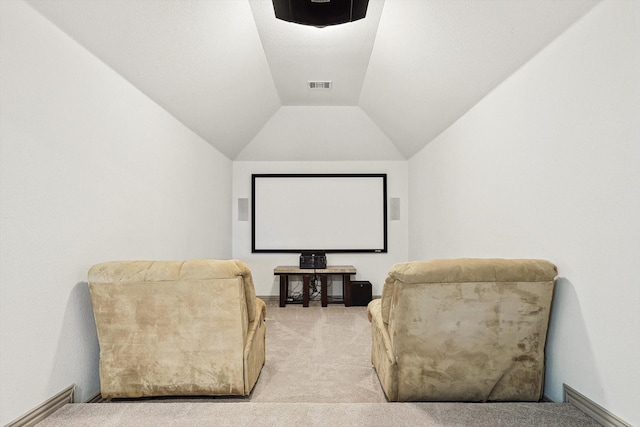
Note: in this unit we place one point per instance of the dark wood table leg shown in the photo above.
(346, 289)
(305, 290)
(323, 292)
(284, 289)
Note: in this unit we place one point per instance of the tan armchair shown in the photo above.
(463, 330)
(169, 328)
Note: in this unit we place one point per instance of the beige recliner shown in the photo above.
(463, 330)
(169, 328)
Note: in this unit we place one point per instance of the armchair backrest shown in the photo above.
(171, 327)
(469, 329)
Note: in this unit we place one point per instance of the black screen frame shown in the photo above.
(383, 176)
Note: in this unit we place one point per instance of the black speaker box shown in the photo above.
(360, 293)
(313, 260)
(320, 13)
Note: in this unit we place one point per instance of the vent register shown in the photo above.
(319, 84)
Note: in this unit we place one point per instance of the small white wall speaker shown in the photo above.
(394, 209)
(243, 209)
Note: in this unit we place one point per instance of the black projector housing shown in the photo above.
(320, 13)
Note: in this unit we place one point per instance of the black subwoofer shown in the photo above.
(360, 293)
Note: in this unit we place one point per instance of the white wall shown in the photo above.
(320, 133)
(369, 266)
(548, 166)
(90, 170)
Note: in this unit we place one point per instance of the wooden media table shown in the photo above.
(285, 271)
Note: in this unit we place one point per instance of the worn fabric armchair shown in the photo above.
(463, 330)
(168, 328)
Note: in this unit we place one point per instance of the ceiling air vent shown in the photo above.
(319, 85)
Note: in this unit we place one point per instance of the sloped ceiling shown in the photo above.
(237, 76)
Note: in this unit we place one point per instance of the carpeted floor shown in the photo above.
(318, 355)
(190, 414)
(318, 372)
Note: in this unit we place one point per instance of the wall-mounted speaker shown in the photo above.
(243, 209)
(320, 13)
(394, 209)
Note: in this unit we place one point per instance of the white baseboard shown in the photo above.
(45, 409)
(591, 408)
(96, 398)
(269, 298)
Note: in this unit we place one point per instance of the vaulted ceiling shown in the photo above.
(237, 76)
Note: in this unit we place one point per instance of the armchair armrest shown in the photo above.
(382, 355)
(254, 349)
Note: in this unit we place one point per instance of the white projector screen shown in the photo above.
(329, 212)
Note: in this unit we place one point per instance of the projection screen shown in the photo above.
(329, 212)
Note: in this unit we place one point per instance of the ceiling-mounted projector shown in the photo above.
(320, 13)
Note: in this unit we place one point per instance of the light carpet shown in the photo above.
(190, 414)
(317, 372)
